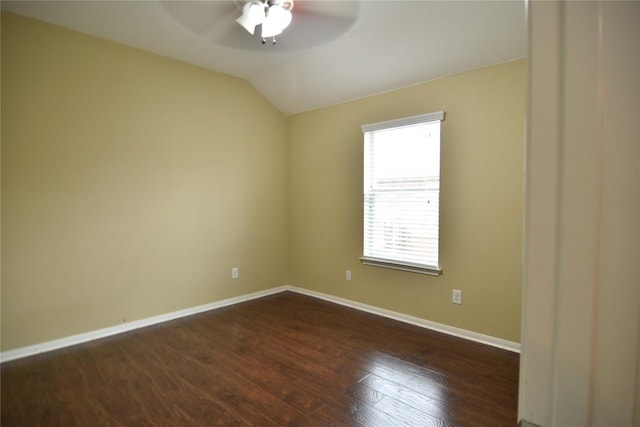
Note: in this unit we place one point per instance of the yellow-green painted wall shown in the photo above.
(482, 194)
(131, 185)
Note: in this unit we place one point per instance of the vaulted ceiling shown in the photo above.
(334, 51)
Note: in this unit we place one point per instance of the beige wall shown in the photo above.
(481, 201)
(131, 184)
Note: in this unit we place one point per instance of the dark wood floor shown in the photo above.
(286, 359)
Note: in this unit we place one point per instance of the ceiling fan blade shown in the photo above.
(347, 9)
(204, 18)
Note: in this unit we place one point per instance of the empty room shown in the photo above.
(349, 213)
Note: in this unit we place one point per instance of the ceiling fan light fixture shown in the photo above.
(278, 18)
(253, 14)
(273, 15)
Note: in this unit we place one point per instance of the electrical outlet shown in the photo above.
(234, 273)
(348, 275)
(457, 296)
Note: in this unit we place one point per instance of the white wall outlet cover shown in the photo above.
(457, 296)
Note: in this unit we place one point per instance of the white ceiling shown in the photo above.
(334, 51)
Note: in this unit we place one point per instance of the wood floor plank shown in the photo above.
(408, 414)
(366, 394)
(285, 359)
(429, 401)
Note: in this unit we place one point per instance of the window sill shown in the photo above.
(397, 265)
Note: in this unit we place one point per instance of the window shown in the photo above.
(402, 193)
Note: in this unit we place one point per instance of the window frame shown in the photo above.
(396, 264)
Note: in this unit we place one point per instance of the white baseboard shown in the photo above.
(31, 350)
(439, 327)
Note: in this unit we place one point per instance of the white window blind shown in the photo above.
(402, 193)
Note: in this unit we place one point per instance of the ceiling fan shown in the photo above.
(232, 23)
